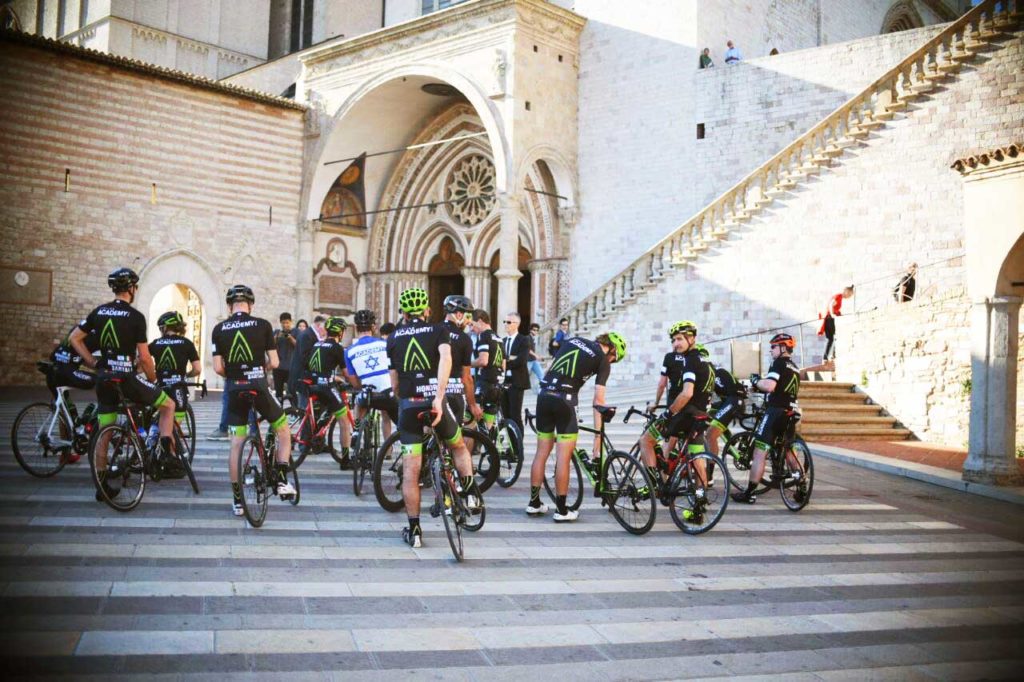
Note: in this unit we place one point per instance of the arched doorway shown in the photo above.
(524, 292)
(445, 276)
(183, 299)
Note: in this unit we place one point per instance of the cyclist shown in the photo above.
(576, 361)
(489, 362)
(366, 364)
(732, 394)
(243, 350)
(672, 369)
(782, 384)
(121, 332)
(176, 360)
(421, 360)
(67, 363)
(461, 394)
(328, 356)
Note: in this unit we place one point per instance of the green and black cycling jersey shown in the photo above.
(701, 374)
(462, 356)
(173, 356)
(65, 358)
(486, 342)
(672, 368)
(243, 341)
(414, 353)
(787, 382)
(726, 385)
(118, 329)
(325, 358)
(577, 360)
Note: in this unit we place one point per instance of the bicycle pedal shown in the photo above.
(435, 510)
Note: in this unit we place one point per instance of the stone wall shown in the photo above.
(175, 181)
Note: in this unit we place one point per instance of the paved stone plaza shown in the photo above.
(880, 578)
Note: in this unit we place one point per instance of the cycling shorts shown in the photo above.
(680, 424)
(178, 391)
(135, 389)
(725, 412)
(488, 396)
(411, 430)
(329, 397)
(72, 378)
(556, 416)
(773, 424)
(457, 401)
(263, 402)
(384, 401)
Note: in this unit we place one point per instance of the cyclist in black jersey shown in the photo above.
(121, 333)
(673, 367)
(420, 354)
(576, 361)
(731, 394)
(243, 351)
(176, 359)
(782, 384)
(489, 362)
(67, 363)
(326, 359)
(461, 393)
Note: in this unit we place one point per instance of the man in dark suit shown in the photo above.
(304, 342)
(517, 371)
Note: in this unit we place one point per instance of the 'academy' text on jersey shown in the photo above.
(413, 351)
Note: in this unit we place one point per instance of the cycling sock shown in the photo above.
(534, 495)
(282, 471)
(165, 444)
(560, 503)
(467, 484)
(414, 524)
(236, 492)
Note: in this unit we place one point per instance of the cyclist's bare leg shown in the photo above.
(757, 465)
(284, 443)
(462, 458)
(544, 447)
(793, 461)
(236, 446)
(411, 482)
(564, 454)
(647, 444)
(713, 434)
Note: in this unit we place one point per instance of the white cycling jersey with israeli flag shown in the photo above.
(367, 359)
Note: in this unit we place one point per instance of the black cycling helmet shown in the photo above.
(122, 279)
(170, 319)
(240, 294)
(335, 325)
(457, 303)
(365, 318)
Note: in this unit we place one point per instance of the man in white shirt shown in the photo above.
(732, 55)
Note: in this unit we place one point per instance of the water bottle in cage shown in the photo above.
(153, 437)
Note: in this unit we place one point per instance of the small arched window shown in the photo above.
(902, 16)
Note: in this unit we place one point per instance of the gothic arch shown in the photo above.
(902, 16)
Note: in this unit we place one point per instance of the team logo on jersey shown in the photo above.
(415, 359)
(108, 337)
(710, 385)
(314, 362)
(372, 361)
(167, 360)
(793, 386)
(499, 355)
(566, 365)
(240, 350)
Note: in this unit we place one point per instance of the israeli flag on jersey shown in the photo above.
(367, 359)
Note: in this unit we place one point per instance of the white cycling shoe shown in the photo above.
(537, 511)
(568, 516)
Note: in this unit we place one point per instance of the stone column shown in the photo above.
(478, 285)
(990, 451)
(508, 267)
(304, 288)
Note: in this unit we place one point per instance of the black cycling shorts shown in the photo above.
(773, 424)
(179, 393)
(457, 401)
(263, 402)
(727, 410)
(411, 429)
(383, 401)
(62, 375)
(329, 397)
(135, 389)
(680, 424)
(556, 416)
(488, 396)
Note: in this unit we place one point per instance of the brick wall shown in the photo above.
(219, 163)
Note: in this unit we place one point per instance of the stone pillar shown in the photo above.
(508, 266)
(990, 452)
(304, 288)
(478, 285)
(546, 288)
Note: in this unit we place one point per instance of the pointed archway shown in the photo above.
(444, 275)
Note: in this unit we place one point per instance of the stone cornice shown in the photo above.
(995, 159)
(137, 66)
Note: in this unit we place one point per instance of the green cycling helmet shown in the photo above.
(413, 301)
(335, 325)
(685, 326)
(618, 342)
(702, 350)
(170, 319)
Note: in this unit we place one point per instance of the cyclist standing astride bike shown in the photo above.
(176, 360)
(732, 394)
(243, 350)
(327, 356)
(66, 363)
(672, 369)
(366, 364)
(121, 331)
(782, 384)
(490, 367)
(461, 393)
(421, 360)
(576, 361)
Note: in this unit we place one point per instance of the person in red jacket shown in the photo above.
(828, 326)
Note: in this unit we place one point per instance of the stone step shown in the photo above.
(824, 418)
(846, 385)
(825, 433)
(832, 398)
(832, 407)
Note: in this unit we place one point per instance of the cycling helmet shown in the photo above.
(240, 294)
(619, 344)
(457, 304)
(170, 319)
(413, 301)
(365, 318)
(783, 340)
(702, 350)
(335, 325)
(685, 326)
(122, 280)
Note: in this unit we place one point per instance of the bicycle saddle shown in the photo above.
(607, 412)
(44, 366)
(426, 416)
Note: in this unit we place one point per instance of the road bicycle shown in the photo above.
(314, 430)
(257, 471)
(45, 435)
(684, 485)
(508, 440)
(617, 478)
(130, 457)
(366, 438)
(790, 467)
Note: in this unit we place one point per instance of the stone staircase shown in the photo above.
(834, 410)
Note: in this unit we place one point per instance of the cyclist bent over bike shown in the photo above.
(326, 357)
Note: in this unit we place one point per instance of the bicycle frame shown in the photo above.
(60, 412)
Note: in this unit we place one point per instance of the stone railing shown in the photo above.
(919, 73)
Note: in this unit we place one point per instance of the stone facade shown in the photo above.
(104, 166)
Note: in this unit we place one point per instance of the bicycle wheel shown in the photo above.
(510, 453)
(630, 493)
(184, 456)
(574, 495)
(364, 445)
(30, 440)
(696, 508)
(449, 507)
(387, 474)
(295, 418)
(484, 451)
(736, 454)
(122, 483)
(797, 484)
(188, 432)
(252, 474)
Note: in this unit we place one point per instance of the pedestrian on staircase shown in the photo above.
(732, 54)
(833, 309)
(905, 288)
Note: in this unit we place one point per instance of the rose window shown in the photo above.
(471, 190)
